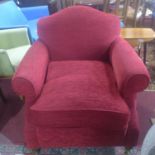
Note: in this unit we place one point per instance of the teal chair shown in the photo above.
(14, 43)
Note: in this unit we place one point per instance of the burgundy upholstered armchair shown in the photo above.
(80, 81)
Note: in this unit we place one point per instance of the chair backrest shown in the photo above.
(11, 15)
(78, 33)
(14, 43)
(14, 37)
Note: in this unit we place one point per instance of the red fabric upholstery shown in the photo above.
(130, 77)
(80, 137)
(80, 81)
(35, 65)
(87, 34)
(73, 87)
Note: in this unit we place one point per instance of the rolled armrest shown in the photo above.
(31, 73)
(130, 72)
(35, 12)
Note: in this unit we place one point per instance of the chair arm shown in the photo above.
(35, 12)
(14, 37)
(130, 72)
(31, 73)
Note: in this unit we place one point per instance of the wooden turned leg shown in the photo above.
(139, 49)
(145, 51)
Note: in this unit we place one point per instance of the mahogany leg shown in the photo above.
(145, 51)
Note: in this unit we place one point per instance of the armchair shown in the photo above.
(80, 81)
(13, 16)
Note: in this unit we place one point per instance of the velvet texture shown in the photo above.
(78, 35)
(80, 81)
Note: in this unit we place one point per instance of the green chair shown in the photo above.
(14, 43)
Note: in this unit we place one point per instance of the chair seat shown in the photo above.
(16, 55)
(80, 94)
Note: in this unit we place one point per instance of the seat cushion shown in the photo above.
(10, 59)
(6, 68)
(17, 54)
(80, 94)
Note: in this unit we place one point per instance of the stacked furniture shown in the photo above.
(13, 16)
(14, 43)
(52, 4)
(149, 5)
